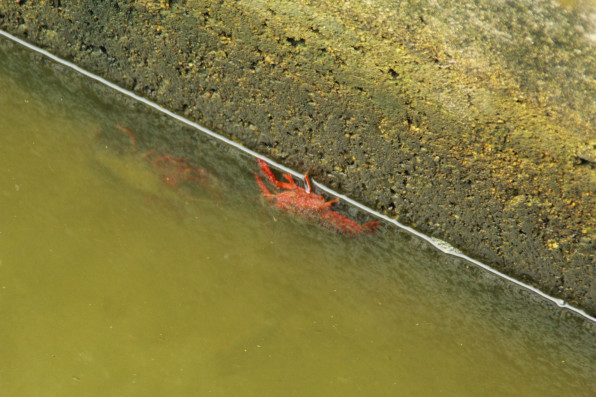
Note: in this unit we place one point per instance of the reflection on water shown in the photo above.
(112, 282)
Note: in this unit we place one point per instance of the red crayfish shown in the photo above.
(303, 202)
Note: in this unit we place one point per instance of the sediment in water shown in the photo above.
(473, 123)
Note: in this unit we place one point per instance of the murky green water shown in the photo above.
(113, 283)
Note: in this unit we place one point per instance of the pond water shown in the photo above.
(113, 282)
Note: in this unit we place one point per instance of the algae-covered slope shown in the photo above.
(473, 122)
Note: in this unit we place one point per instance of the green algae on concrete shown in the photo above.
(473, 122)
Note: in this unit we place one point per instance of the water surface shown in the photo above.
(114, 283)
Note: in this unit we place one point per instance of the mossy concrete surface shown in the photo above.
(471, 121)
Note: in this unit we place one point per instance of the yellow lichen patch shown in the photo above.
(154, 5)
